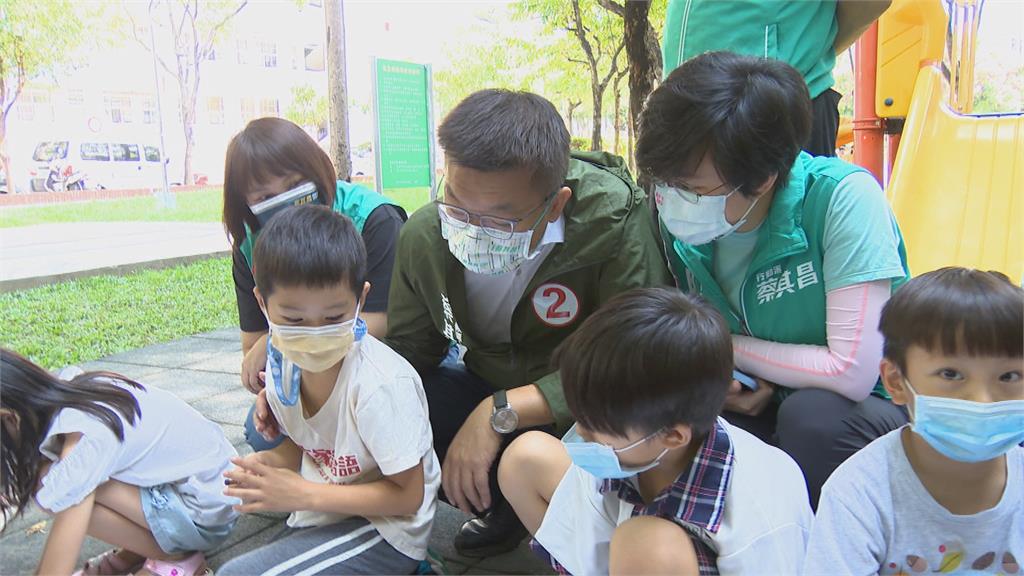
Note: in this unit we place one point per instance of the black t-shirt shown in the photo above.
(380, 235)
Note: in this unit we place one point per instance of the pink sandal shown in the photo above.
(108, 564)
(194, 565)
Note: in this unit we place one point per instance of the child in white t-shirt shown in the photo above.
(946, 493)
(650, 480)
(357, 470)
(134, 466)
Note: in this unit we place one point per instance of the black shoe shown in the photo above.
(496, 532)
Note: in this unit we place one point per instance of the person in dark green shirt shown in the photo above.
(799, 253)
(806, 34)
(525, 242)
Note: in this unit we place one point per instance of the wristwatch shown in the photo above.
(504, 419)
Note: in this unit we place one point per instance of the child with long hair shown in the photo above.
(133, 466)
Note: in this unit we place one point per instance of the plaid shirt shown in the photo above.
(695, 501)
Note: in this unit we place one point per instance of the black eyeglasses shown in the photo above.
(494, 226)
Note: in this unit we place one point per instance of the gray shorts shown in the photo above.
(171, 525)
(352, 546)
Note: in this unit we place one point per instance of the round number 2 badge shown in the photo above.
(556, 305)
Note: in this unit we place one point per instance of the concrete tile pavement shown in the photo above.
(204, 371)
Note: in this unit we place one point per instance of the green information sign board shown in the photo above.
(404, 145)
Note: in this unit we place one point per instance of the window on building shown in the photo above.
(268, 107)
(118, 107)
(125, 152)
(215, 109)
(248, 109)
(95, 151)
(149, 110)
(314, 55)
(152, 153)
(269, 52)
(243, 51)
(76, 97)
(34, 105)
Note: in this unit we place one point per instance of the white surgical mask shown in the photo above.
(482, 253)
(695, 219)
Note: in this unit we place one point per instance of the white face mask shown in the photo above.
(482, 253)
(695, 219)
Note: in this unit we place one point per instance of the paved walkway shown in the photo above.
(204, 371)
(47, 253)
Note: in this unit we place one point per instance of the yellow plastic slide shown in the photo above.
(957, 187)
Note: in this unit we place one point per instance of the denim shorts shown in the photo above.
(173, 528)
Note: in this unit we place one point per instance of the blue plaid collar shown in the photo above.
(697, 497)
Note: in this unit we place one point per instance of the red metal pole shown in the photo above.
(868, 148)
(892, 147)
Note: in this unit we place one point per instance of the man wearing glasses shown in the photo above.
(523, 243)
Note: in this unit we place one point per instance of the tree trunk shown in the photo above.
(188, 122)
(595, 135)
(334, 11)
(643, 54)
(617, 124)
(630, 161)
(5, 159)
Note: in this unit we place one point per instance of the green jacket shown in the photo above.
(352, 200)
(800, 33)
(610, 246)
(783, 295)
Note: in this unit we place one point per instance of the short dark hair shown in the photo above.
(752, 114)
(309, 245)
(496, 130)
(647, 359)
(269, 147)
(955, 310)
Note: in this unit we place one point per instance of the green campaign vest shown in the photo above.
(355, 201)
(783, 292)
(799, 33)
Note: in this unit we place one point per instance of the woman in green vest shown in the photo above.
(798, 253)
(272, 156)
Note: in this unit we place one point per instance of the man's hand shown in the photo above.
(263, 419)
(253, 365)
(467, 464)
(263, 488)
(749, 402)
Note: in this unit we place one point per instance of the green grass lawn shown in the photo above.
(86, 319)
(198, 206)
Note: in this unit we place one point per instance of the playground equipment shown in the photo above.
(955, 180)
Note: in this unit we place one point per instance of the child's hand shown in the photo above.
(263, 419)
(749, 402)
(253, 365)
(263, 488)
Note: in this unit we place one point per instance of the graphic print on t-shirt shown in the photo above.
(332, 467)
(952, 557)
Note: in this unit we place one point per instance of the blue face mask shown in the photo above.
(968, 431)
(600, 460)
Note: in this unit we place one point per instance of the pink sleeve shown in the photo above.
(847, 366)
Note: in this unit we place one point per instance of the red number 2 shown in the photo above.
(553, 311)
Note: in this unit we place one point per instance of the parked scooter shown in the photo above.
(63, 177)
